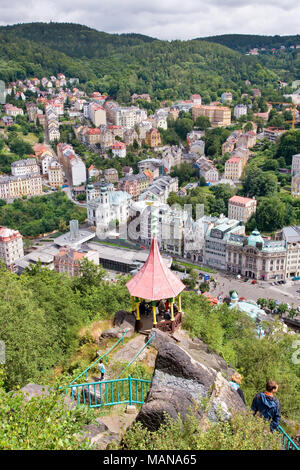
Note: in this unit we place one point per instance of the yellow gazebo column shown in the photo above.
(132, 304)
(154, 313)
(172, 308)
(137, 304)
(179, 303)
(138, 317)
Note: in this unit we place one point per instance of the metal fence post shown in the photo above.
(130, 390)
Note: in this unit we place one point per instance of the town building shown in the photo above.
(207, 169)
(134, 184)
(255, 257)
(74, 167)
(27, 166)
(143, 96)
(154, 165)
(296, 164)
(219, 116)
(216, 238)
(119, 149)
(291, 236)
(110, 207)
(97, 114)
(67, 260)
(111, 175)
(149, 217)
(295, 188)
(240, 110)
(241, 208)
(273, 133)
(55, 174)
(160, 189)
(12, 187)
(11, 246)
(226, 97)
(233, 168)
(153, 138)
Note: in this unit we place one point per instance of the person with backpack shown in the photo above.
(267, 405)
(235, 383)
(101, 369)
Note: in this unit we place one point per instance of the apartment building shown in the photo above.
(291, 236)
(273, 133)
(74, 167)
(241, 208)
(226, 97)
(11, 246)
(134, 184)
(240, 110)
(67, 260)
(55, 174)
(160, 189)
(219, 116)
(119, 149)
(296, 164)
(233, 168)
(216, 238)
(27, 166)
(153, 138)
(97, 114)
(111, 175)
(12, 187)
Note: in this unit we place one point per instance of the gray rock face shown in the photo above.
(35, 390)
(122, 321)
(98, 435)
(180, 382)
(111, 333)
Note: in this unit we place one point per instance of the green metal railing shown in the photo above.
(110, 392)
(138, 353)
(104, 356)
(287, 442)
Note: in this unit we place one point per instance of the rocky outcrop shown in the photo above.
(98, 435)
(180, 382)
(35, 390)
(122, 321)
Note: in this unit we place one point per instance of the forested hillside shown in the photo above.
(245, 42)
(120, 65)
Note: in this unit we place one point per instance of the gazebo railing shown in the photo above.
(168, 326)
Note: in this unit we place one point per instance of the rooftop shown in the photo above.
(154, 281)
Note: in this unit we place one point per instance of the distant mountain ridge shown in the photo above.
(120, 65)
(245, 42)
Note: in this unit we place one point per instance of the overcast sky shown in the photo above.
(164, 19)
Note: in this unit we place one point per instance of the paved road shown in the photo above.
(285, 293)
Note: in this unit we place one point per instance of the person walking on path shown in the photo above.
(101, 369)
(235, 383)
(267, 405)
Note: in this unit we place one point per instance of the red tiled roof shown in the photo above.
(155, 281)
(240, 200)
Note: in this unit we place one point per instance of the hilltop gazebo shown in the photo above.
(155, 282)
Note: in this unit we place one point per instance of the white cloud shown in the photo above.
(167, 19)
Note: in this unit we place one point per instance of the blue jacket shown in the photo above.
(268, 407)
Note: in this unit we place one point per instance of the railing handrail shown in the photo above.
(137, 354)
(293, 444)
(107, 381)
(101, 357)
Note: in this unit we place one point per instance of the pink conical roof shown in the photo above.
(155, 281)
